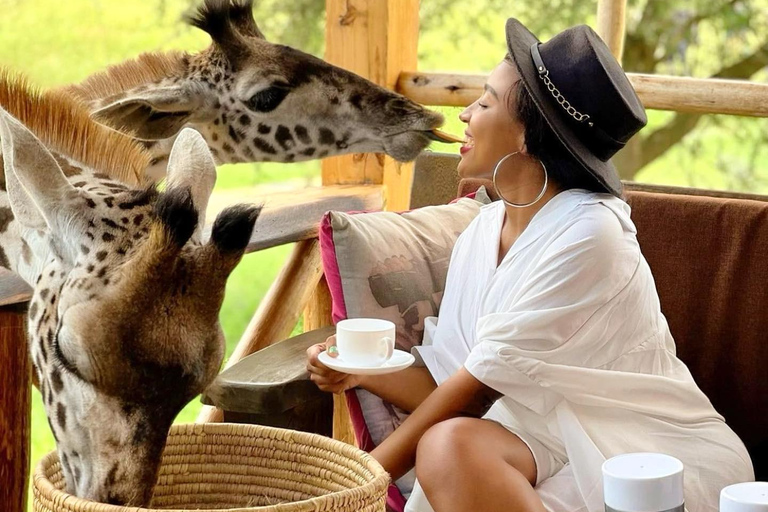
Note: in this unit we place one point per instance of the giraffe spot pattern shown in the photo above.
(61, 415)
(235, 135)
(284, 138)
(4, 259)
(26, 252)
(302, 134)
(6, 216)
(264, 146)
(327, 137)
(56, 381)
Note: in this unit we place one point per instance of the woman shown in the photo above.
(549, 312)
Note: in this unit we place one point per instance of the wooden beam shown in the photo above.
(376, 39)
(279, 311)
(317, 315)
(13, 289)
(15, 408)
(657, 92)
(294, 216)
(611, 24)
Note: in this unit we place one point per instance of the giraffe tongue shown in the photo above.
(441, 136)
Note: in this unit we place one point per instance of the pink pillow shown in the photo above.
(392, 266)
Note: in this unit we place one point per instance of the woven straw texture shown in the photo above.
(219, 466)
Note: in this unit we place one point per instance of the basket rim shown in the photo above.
(379, 482)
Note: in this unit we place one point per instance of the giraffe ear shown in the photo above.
(191, 166)
(151, 115)
(34, 180)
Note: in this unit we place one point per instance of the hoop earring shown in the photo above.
(510, 203)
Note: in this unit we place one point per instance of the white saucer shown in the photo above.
(400, 360)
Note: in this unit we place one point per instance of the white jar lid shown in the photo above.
(745, 497)
(643, 482)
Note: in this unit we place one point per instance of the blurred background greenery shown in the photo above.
(55, 42)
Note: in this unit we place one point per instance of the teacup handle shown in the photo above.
(390, 345)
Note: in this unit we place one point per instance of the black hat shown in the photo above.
(582, 92)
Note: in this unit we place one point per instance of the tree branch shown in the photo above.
(683, 33)
(652, 146)
(747, 66)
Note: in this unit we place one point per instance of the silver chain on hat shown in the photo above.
(578, 116)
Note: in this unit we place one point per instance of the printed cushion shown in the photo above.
(392, 266)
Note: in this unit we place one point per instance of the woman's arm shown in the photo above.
(405, 389)
(460, 395)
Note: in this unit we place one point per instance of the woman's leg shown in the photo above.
(473, 464)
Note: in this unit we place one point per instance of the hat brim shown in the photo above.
(519, 42)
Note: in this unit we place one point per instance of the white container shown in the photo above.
(643, 482)
(746, 497)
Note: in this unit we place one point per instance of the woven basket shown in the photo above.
(220, 466)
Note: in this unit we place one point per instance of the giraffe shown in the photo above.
(123, 323)
(253, 100)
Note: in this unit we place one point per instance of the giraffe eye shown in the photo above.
(268, 99)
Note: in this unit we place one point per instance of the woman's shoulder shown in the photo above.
(600, 220)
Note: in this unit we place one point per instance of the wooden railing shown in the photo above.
(657, 92)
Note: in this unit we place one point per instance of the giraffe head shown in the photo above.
(123, 323)
(253, 100)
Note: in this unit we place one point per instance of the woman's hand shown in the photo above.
(325, 378)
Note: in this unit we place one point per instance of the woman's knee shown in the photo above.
(446, 448)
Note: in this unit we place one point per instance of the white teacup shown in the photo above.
(365, 341)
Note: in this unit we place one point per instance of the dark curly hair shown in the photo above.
(541, 142)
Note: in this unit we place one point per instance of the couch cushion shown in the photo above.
(709, 257)
(393, 265)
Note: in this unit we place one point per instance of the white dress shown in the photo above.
(569, 329)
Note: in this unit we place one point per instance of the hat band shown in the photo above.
(544, 75)
(606, 145)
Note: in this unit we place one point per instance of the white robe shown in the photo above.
(569, 329)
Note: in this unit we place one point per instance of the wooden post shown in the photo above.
(15, 394)
(279, 310)
(611, 24)
(376, 39)
(316, 315)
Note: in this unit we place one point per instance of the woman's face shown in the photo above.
(491, 131)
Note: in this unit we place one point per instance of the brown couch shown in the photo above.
(708, 255)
